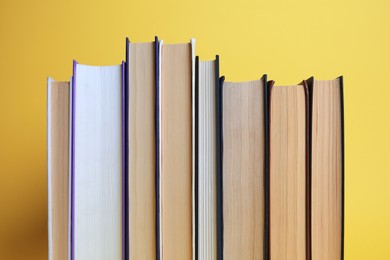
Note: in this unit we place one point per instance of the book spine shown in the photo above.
(267, 105)
(219, 136)
(308, 170)
(267, 86)
(124, 162)
(126, 153)
(341, 80)
(309, 84)
(159, 114)
(196, 157)
(157, 142)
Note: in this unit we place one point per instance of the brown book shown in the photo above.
(327, 169)
(243, 167)
(142, 150)
(177, 151)
(58, 168)
(287, 177)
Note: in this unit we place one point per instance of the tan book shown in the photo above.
(327, 169)
(287, 177)
(58, 116)
(177, 64)
(243, 164)
(142, 149)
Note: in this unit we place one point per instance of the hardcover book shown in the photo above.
(243, 169)
(97, 162)
(58, 142)
(177, 151)
(142, 170)
(288, 167)
(327, 168)
(206, 83)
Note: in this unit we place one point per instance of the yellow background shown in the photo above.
(288, 40)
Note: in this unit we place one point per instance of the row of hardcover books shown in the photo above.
(160, 158)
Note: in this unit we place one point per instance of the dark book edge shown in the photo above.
(126, 92)
(196, 156)
(310, 83)
(219, 135)
(216, 141)
(157, 142)
(308, 124)
(124, 161)
(267, 86)
(267, 146)
(341, 80)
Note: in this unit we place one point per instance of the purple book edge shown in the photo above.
(157, 144)
(124, 158)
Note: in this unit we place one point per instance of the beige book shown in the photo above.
(327, 170)
(58, 169)
(142, 148)
(177, 151)
(243, 169)
(287, 175)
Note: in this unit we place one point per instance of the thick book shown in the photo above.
(142, 132)
(206, 82)
(176, 150)
(288, 124)
(327, 168)
(58, 154)
(242, 207)
(97, 162)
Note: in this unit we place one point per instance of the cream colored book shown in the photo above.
(206, 83)
(141, 73)
(176, 151)
(58, 123)
(327, 169)
(287, 177)
(97, 163)
(243, 169)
